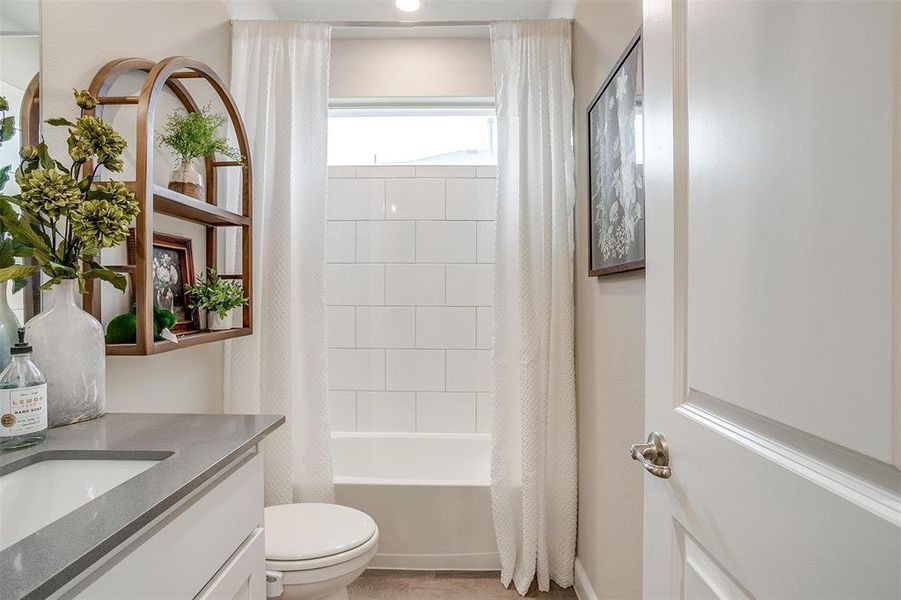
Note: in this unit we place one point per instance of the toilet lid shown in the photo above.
(310, 530)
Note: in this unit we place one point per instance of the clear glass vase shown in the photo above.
(9, 324)
(70, 350)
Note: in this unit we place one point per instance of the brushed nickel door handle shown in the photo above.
(653, 456)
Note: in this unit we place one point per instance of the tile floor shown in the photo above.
(440, 585)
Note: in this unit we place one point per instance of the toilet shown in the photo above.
(314, 551)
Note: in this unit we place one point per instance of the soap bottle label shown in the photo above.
(23, 410)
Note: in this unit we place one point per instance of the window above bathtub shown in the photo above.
(412, 131)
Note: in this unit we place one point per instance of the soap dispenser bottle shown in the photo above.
(23, 399)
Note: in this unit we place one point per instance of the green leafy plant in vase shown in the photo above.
(61, 218)
(217, 297)
(192, 135)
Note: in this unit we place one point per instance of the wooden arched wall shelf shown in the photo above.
(157, 199)
(30, 112)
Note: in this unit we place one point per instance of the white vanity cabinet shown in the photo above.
(207, 546)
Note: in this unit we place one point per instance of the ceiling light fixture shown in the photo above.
(407, 5)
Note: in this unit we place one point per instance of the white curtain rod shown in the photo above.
(407, 24)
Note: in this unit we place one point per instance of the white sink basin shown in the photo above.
(34, 496)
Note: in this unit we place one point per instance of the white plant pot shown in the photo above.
(186, 179)
(70, 350)
(217, 323)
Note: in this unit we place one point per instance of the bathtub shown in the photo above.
(427, 492)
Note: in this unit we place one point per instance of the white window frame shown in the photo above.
(425, 106)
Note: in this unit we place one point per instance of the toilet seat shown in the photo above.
(307, 536)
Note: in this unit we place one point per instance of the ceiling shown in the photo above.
(432, 10)
(22, 15)
(384, 10)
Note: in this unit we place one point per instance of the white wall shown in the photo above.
(78, 37)
(609, 343)
(410, 284)
(420, 66)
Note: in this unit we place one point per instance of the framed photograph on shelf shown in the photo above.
(616, 168)
(172, 267)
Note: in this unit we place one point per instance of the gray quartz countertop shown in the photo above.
(193, 449)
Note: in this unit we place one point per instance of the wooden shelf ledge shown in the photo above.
(184, 341)
(172, 203)
(118, 100)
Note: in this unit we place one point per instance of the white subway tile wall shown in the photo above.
(343, 410)
(386, 411)
(386, 242)
(483, 412)
(340, 242)
(446, 171)
(485, 245)
(468, 370)
(386, 326)
(341, 327)
(445, 327)
(445, 412)
(446, 241)
(471, 199)
(414, 199)
(342, 172)
(485, 327)
(356, 369)
(410, 285)
(415, 370)
(470, 285)
(355, 284)
(383, 171)
(356, 199)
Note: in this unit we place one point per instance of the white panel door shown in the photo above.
(773, 182)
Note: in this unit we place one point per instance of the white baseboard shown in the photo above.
(582, 585)
(488, 561)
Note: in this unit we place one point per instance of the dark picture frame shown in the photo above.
(616, 208)
(172, 266)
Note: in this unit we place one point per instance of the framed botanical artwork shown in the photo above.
(615, 168)
(172, 267)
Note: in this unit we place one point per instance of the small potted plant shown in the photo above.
(191, 135)
(217, 297)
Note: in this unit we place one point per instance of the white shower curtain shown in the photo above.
(279, 79)
(533, 421)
